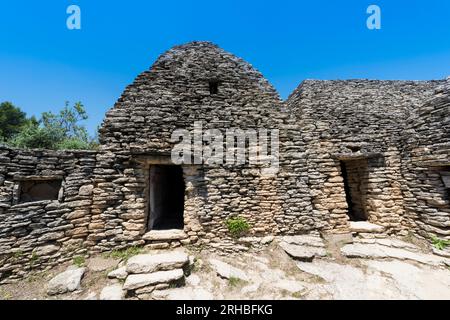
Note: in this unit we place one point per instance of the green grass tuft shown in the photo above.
(235, 282)
(125, 254)
(237, 226)
(79, 261)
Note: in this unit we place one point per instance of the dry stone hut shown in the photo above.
(338, 151)
(426, 166)
(354, 132)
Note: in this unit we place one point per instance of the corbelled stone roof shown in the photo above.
(360, 109)
(175, 92)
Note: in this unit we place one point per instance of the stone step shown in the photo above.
(165, 235)
(147, 263)
(365, 227)
(136, 281)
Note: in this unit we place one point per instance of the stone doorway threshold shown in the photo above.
(165, 235)
(365, 227)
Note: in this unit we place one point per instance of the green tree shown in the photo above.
(58, 131)
(34, 136)
(66, 122)
(12, 120)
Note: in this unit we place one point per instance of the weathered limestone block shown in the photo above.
(146, 263)
(136, 281)
(67, 281)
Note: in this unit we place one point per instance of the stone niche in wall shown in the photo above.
(36, 188)
(445, 175)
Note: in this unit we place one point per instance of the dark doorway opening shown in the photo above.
(166, 197)
(355, 174)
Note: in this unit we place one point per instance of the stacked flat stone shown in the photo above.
(426, 163)
(42, 234)
(145, 273)
(363, 121)
(399, 130)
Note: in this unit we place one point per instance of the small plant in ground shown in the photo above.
(234, 282)
(297, 294)
(440, 244)
(175, 284)
(237, 226)
(125, 254)
(5, 295)
(17, 255)
(79, 261)
(34, 258)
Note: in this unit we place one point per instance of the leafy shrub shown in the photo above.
(33, 136)
(440, 244)
(57, 131)
(237, 226)
(73, 144)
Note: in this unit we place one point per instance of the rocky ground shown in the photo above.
(295, 267)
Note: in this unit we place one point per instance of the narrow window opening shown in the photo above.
(214, 87)
(39, 190)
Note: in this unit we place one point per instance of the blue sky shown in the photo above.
(43, 64)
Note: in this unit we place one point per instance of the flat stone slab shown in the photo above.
(147, 263)
(160, 235)
(376, 279)
(120, 273)
(136, 281)
(113, 292)
(227, 271)
(304, 240)
(377, 251)
(67, 281)
(392, 243)
(365, 227)
(303, 252)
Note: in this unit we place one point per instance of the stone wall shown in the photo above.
(395, 146)
(427, 166)
(174, 94)
(41, 234)
(351, 120)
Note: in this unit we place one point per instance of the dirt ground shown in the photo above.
(272, 274)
